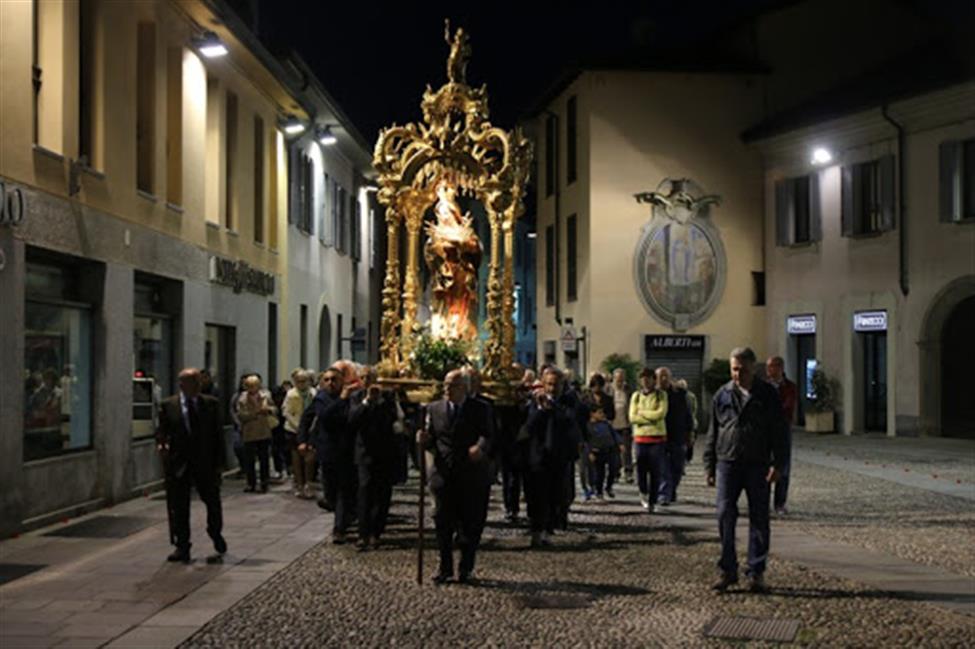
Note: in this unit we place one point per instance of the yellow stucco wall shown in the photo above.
(637, 128)
(112, 188)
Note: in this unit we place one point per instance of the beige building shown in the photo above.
(680, 213)
(667, 285)
(151, 221)
(870, 246)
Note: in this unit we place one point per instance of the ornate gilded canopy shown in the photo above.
(457, 146)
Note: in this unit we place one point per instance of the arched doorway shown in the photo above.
(957, 379)
(945, 380)
(324, 339)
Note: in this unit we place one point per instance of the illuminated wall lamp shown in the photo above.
(326, 137)
(821, 156)
(292, 125)
(532, 235)
(210, 46)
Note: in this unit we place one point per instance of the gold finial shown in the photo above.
(460, 51)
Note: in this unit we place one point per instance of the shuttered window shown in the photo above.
(868, 197)
(798, 216)
(956, 179)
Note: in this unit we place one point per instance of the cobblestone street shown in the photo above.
(858, 561)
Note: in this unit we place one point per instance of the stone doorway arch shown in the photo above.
(950, 304)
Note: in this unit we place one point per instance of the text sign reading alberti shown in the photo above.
(669, 343)
(870, 321)
(801, 324)
(240, 276)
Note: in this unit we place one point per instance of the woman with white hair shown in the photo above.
(295, 402)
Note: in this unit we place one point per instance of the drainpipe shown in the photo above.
(901, 221)
(556, 268)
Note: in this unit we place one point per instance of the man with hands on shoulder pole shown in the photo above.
(745, 449)
(334, 442)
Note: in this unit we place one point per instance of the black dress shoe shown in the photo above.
(327, 506)
(465, 578)
(182, 556)
(220, 545)
(726, 581)
(442, 578)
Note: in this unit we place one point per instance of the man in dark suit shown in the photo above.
(372, 415)
(334, 442)
(190, 439)
(460, 432)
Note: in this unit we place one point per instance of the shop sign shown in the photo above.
(870, 321)
(801, 324)
(658, 343)
(240, 276)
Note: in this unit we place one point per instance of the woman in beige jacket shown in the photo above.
(255, 410)
(295, 402)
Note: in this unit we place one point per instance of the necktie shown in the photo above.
(453, 411)
(192, 416)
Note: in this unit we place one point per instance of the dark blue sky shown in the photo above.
(376, 58)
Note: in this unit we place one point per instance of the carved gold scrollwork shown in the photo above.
(455, 143)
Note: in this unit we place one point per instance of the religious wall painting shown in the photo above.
(679, 264)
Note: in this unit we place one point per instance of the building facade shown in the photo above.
(870, 245)
(681, 213)
(668, 279)
(148, 225)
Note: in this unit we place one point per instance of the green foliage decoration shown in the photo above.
(433, 357)
(630, 367)
(717, 374)
(827, 391)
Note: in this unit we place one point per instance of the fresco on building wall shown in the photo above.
(679, 263)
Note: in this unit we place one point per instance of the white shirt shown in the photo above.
(184, 409)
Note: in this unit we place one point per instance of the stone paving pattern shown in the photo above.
(621, 577)
(858, 551)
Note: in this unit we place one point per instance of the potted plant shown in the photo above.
(821, 411)
(625, 362)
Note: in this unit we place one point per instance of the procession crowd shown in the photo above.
(355, 438)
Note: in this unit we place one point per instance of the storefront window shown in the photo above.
(57, 382)
(153, 371)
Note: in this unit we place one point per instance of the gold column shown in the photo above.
(411, 283)
(494, 347)
(388, 346)
(508, 305)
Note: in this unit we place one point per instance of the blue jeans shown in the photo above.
(676, 457)
(651, 461)
(732, 479)
(782, 484)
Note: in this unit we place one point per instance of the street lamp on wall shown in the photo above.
(291, 125)
(326, 137)
(210, 45)
(821, 156)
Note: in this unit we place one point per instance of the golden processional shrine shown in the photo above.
(424, 168)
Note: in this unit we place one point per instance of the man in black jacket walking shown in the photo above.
(460, 432)
(680, 425)
(190, 439)
(372, 415)
(745, 449)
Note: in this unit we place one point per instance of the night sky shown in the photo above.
(376, 59)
